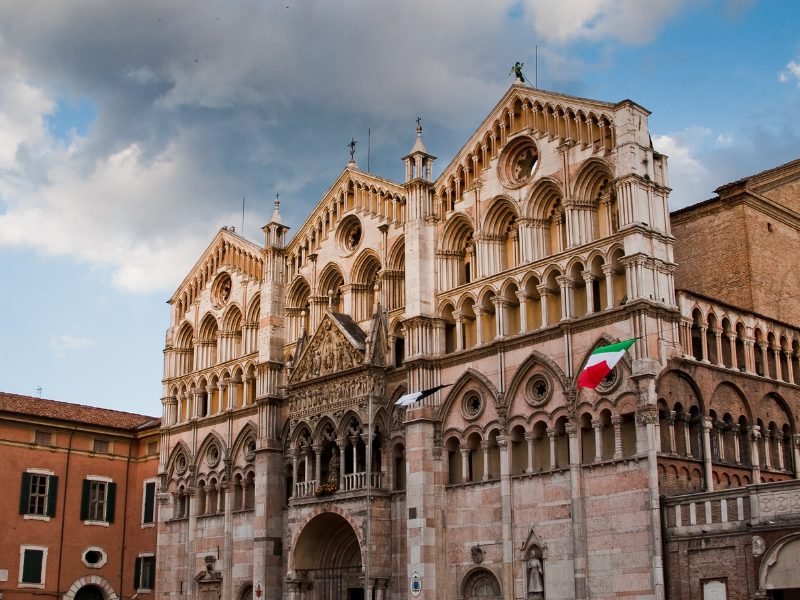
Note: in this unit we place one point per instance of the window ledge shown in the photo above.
(31, 517)
(148, 525)
(97, 523)
(38, 586)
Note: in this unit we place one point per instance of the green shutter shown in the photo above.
(24, 494)
(85, 495)
(52, 498)
(32, 566)
(149, 502)
(137, 573)
(110, 500)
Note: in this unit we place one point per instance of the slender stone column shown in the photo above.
(523, 311)
(737, 452)
(530, 439)
(464, 465)
(551, 434)
(544, 294)
(506, 501)
(597, 425)
(755, 435)
(672, 446)
(340, 442)
(617, 423)
(767, 448)
(458, 316)
(704, 343)
(608, 272)
(479, 310)
(317, 462)
(580, 555)
(588, 279)
(718, 340)
(227, 551)
(295, 472)
(687, 438)
(709, 472)
(485, 448)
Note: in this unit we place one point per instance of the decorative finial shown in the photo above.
(277, 201)
(419, 125)
(352, 146)
(516, 70)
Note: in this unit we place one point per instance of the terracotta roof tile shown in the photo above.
(77, 413)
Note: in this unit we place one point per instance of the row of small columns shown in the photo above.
(171, 403)
(566, 284)
(305, 453)
(552, 434)
(755, 436)
(222, 489)
(749, 351)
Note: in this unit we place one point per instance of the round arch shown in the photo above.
(77, 589)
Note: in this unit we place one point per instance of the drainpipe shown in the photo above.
(64, 512)
(125, 521)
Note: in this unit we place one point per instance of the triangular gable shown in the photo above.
(338, 344)
(523, 92)
(377, 344)
(226, 249)
(327, 203)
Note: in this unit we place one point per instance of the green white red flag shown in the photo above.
(600, 363)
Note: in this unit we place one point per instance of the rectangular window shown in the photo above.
(43, 438)
(145, 573)
(101, 446)
(38, 494)
(97, 500)
(32, 563)
(149, 502)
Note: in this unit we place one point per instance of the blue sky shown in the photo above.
(130, 132)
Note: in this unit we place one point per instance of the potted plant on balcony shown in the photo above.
(325, 489)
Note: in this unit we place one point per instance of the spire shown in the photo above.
(276, 214)
(418, 145)
(418, 161)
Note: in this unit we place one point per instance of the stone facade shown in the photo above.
(546, 236)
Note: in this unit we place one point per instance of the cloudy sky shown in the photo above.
(131, 131)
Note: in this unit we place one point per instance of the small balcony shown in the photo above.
(350, 482)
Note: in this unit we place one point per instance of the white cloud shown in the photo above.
(629, 21)
(22, 111)
(792, 72)
(690, 180)
(62, 344)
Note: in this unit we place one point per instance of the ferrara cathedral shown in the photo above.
(288, 470)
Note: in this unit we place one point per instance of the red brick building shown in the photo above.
(80, 510)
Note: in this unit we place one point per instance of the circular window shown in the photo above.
(538, 390)
(221, 290)
(213, 456)
(250, 449)
(519, 162)
(609, 382)
(472, 405)
(94, 557)
(349, 234)
(180, 464)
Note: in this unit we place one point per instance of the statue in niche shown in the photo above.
(333, 467)
(315, 363)
(535, 576)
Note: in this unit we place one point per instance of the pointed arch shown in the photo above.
(523, 371)
(469, 376)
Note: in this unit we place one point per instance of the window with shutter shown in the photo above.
(97, 501)
(38, 494)
(32, 564)
(145, 573)
(148, 510)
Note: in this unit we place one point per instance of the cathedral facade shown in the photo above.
(289, 471)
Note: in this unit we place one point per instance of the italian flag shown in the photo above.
(600, 363)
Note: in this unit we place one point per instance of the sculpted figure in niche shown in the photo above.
(315, 363)
(535, 577)
(333, 467)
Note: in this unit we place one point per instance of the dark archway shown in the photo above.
(328, 555)
(90, 592)
(481, 584)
